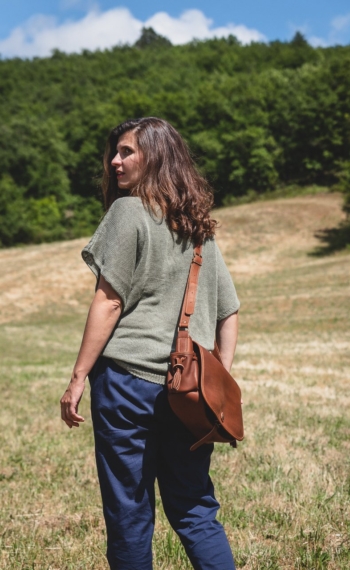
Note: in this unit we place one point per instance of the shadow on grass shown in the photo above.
(332, 240)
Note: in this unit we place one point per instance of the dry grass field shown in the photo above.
(285, 492)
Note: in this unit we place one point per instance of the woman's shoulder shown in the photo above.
(210, 246)
(212, 253)
(128, 205)
(122, 223)
(125, 211)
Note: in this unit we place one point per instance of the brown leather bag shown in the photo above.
(201, 392)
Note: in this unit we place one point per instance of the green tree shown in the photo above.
(256, 117)
(150, 38)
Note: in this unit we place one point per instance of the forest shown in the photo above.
(259, 118)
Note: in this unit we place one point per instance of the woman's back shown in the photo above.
(158, 206)
(148, 266)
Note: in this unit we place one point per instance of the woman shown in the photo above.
(157, 210)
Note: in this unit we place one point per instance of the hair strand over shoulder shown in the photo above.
(169, 180)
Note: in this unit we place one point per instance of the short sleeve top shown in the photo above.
(147, 265)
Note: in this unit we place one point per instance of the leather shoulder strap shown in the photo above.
(189, 301)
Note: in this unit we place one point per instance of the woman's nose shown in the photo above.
(116, 161)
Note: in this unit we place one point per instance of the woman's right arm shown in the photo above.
(103, 316)
(226, 338)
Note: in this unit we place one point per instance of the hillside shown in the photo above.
(284, 492)
(257, 240)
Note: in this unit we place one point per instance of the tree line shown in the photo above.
(257, 118)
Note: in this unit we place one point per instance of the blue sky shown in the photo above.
(35, 27)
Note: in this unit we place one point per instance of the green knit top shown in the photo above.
(147, 265)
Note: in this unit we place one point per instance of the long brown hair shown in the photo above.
(169, 179)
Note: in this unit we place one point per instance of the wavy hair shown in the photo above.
(169, 178)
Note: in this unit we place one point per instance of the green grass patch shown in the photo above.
(284, 493)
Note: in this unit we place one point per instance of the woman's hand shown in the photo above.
(70, 402)
(103, 316)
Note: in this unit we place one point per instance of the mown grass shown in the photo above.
(284, 493)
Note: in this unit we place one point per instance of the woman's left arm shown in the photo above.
(226, 338)
(103, 316)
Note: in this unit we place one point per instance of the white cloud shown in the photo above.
(341, 22)
(317, 42)
(339, 32)
(194, 24)
(39, 35)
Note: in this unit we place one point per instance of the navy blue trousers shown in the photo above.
(138, 439)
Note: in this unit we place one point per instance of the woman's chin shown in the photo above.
(122, 185)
